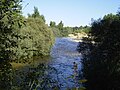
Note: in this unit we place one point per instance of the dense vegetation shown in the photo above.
(10, 22)
(22, 38)
(35, 37)
(101, 54)
(61, 31)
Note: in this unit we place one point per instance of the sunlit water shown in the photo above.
(63, 55)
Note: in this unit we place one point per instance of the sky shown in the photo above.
(71, 12)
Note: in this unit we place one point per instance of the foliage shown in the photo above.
(10, 21)
(34, 78)
(35, 38)
(22, 38)
(52, 24)
(61, 31)
(6, 76)
(56, 31)
(101, 59)
(37, 14)
(60, 25)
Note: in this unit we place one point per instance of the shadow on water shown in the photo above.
(58, 72)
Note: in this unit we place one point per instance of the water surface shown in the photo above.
(63, 55)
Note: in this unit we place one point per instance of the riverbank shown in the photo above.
(77, 37)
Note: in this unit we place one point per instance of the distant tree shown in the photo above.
(43, 18)
(52, 24)
(75, 28)
(60, 25)
(36, 13)
(80, 27)
(29, 15)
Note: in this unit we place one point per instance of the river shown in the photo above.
(61, 70)
(63, 55)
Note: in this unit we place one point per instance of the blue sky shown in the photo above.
(72, 12)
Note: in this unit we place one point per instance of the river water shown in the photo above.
(60, 71)
(63, 55)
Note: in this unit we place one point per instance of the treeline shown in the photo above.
(101, 54)
(61, 31)
(22, 38)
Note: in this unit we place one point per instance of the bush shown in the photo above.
(101, 59)
(35, 39)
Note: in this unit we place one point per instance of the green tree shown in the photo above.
(60, 25)
(52, 24)
(43, 18)
(10, 21)
(101, 59)
(36, 13)
(35, 39)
